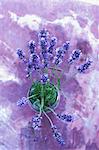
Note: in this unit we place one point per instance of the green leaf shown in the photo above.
(58, 83)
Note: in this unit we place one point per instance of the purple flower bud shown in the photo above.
(22, 101)
(43, 43)
(43, 33)
(57, 61)
(50, 49)
(53, 41)
(59, 52)
(36, 66)
(30, 64)
(32, 46)
(52, 44)
(20, 53)
(66, 46)
(34, 58)
(44, 78)
(34, 61)
(29, 68)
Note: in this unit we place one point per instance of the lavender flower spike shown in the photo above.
(43, 33)
(44, 78)
(36, 122)
(32, 46)
(52, 44)
(66, 46)
(43, 43)
(66, 118)
(34, 61)
(22, 102)
(57, 61)
(75, 55)
(20, 53)
(84, 66)
(53, 41)
(57, 135)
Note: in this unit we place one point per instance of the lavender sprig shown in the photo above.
(57, 60)
(35, 61)
(43, 33)
(57, 135)
(44, 78)
(52, 44)
(74, 56)
(45, 59)
(20, 54)
(84, 66)
(29, 67)
(32, 46)
(22, 102)
(43, 44)
(36, 122)
(32, 64)
(65, 118)
(53, 41)
(62, 117)
(66, 46)
(60, 52)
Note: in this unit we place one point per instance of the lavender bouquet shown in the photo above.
(44, 94)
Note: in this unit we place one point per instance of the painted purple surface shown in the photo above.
(15, 130)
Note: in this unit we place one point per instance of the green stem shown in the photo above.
(31, 96)
(36, 101)
(58, 83)
(46, 70)
(53, 68)
(57, 77)
(52, 110)
(39, 106)
(48, 118)
(42, 97)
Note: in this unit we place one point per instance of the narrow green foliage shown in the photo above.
(43, 94)
(58, 83)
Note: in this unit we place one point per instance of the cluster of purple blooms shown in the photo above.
(44, 78)
(74, 56)
(33, 63)
(84, 66)
(57, 135)
(65, 117)
(22, 101)
(36, 122)
(40, 62)
(60, 53)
